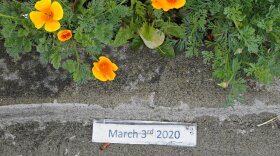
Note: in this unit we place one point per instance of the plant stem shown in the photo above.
(160, 50)
(122, 2)
(94, 57)
(269, 121)
(77, 53)
(9, 17)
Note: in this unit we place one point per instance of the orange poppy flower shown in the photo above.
(64, 35)
(158, 4)
(48, 14)
(103, 70)
(168, 4)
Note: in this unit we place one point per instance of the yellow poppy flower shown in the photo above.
(103, 70)
(64, 35)
(48, 14)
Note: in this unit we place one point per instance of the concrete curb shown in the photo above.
(54, 129)
(68, 112)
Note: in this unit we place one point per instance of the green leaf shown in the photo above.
(27, 45)
(152, 37)
(235, 14)
(82, 74)
(207, 56)
(69, 65)
(56, 59)
(13, 52)
(45, 57)
(266, 25)
(123, 35)
(83, 38)
(22, 32)
(78, 5)
(14, 47)
(238, 88)
(136, 42)
(104, 33)
(8, 29)
(44, 50)
(166, 50)
(77, 75)
(158, 13)
(250, 39)
(117, 13)
(263, 75)
(140, 8)
(235, 66)
(147, 31)
(173, 29)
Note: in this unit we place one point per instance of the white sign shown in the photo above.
(144, 132)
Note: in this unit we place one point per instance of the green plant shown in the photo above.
(242, 38)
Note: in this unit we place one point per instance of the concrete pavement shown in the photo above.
(43, 113)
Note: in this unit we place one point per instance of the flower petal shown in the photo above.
(98, 75)
(104, 69)
(157, 4)
(43, 5)
(179, 4)
(64, 35)
(52, 26)
(36, 18)
(114, 66)
(103, 58)
(57, 11)
(166, 8)
(110, 75)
